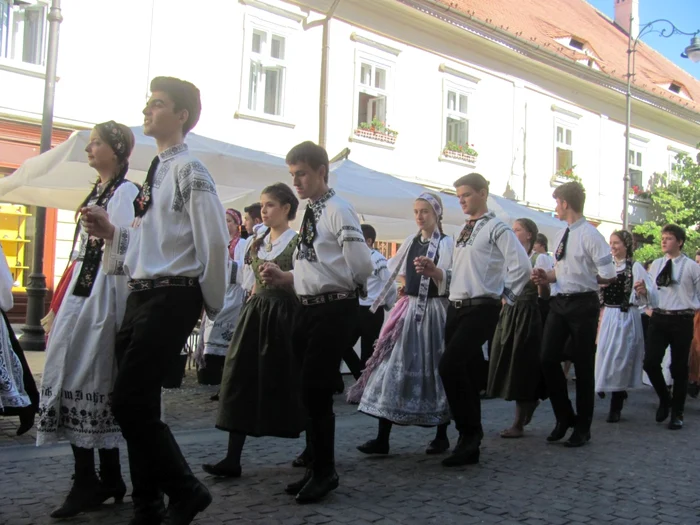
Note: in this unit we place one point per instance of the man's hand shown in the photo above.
(271, 275)
(425, 266)
(641, 288)
(96, 222)
(539, 276)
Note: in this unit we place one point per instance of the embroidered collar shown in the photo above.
(578, 223)
(318, 206)
(173, 152)
(488, 215)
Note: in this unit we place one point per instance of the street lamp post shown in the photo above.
(33, 336)
(692, 52)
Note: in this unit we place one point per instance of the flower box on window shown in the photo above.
(461, 152)
(564, 175)
(637, 194)
(376, 130)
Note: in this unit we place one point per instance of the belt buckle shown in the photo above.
(458, 304)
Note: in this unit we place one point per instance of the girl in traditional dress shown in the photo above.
(694, 363)
(80, 364)
(620, 354)
(18, 392)
(217, 333)
(514, 367)
(261, 386)
(401, 383)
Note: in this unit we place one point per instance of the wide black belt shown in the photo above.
(576, 295)
(476, 301)
(139, 285)
(311, 300)
(683, 313)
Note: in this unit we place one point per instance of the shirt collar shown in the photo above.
(488, 215)
(172, 152)
(321, 203)
(578, 223)
(675, 259)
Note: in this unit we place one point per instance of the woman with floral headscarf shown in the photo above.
(80, 365)
(217, 333)
(620, 354)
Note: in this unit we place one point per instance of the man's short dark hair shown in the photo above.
(253, 211)
(573, 193)
(473, 180)
(542, 239)
(312, 154)
(184, 95)
(369, 232)
(676, 231)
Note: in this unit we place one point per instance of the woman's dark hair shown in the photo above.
(628, 240)
(676, 231)
(184, 95)
(542, 239)
(573, 193)
(531, 228)
(121, 139)
(284, 195)
(369, 232)
(312, 154)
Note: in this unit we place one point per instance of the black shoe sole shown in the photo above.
(220, 472)
(469, 459)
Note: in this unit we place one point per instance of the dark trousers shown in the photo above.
(574, 317)
(154, 331)
(462, 367)
(367, 331)
(677, 331)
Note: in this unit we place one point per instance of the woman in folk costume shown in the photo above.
(514, 367)
(261, 387)
(18, 393)
(218, 332)
(620, 354)
(694, 363)
(80, 363)
(401, 384)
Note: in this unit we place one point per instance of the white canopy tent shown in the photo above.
(60, 178)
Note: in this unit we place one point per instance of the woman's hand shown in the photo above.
(426, 266)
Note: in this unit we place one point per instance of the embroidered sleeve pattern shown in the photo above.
(497, 231)
(115, 250)
(349, 234)
(193, 176)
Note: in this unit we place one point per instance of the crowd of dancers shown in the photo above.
(282, 309)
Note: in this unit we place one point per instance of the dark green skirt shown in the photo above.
(261, 385)
(515, 373)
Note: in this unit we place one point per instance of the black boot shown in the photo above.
(84, 494)
(680, 390)
(306, 457)
(380, 445)
(230, 466)
(149, 507)
(617, 400)
(440, 444)
(111, 482)
(466, 452)
(324, 478)
(563, 425)
(294, 488)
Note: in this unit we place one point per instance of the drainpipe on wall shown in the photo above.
(325, 63)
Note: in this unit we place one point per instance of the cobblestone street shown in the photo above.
(634, 472)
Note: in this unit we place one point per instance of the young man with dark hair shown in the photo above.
(252, 218)
(175, 259)
(677, 279)
(331, 267)
(583, 262)
(489, 265)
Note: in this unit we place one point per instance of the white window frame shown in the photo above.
(672, 154)
(386, 62)
(567, 125)
(459, 90)
(271, 28)
(9, 49)
(637, 156)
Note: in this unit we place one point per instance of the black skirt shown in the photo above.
(261, 385)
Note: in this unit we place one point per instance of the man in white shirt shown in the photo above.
(489, 265)
(331, 267)
(252, 220)
(583, 261)
(677, 278)
(175, 258)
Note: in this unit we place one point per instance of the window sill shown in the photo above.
(557, 180)
(365, 138)
(266, 119)
(469, 162)
(23, 68)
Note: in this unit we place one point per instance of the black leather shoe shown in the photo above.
(374, 446)
(112, 488)
(184, 511)
(676, 422)
(662, 412)
(465, 453)
(614, 416)
(578, 439)
(438, 446)
(560, 430)
(222, 471)
(318, 487)
(83, 495)
(304, 459)
(293, 488)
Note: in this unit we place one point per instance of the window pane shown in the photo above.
(636, 179)
(377, 109)
(258, 40)
(366, 74)
(560, 134)
(639, 159)
(451, 101)
(463, 99)
(253, 86)
(4, 27)
(273, 91)
(631, 157)
(565, 158)
(277, 47)
(457, 131)
(380, 78)
(568, 137)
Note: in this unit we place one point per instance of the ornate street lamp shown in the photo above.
(692, 52)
